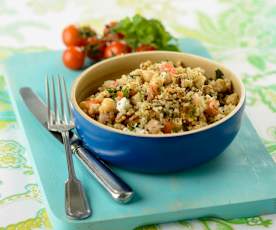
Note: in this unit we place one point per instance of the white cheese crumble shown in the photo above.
(123, 105)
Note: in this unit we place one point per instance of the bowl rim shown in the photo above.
(113, 130)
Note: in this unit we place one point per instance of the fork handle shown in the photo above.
(76, 203)
(118, 189)
(68, 151)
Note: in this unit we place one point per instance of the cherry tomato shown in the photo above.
(72, 37)
(145, 47)
(95, 48)
(77, 36)
(116, 48)
(73, 57)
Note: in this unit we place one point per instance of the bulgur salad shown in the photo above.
(161, 98)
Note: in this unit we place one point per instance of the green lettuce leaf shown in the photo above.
(139, 30)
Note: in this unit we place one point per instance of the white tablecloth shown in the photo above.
(241, 34)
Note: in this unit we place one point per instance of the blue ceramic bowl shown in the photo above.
(147, 152)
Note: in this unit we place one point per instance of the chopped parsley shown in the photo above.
(125, 92)
(112, 92)
(192, 111)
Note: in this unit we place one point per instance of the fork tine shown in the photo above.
(56, 113)
(48, 96)
(67, 101)
(63, 115)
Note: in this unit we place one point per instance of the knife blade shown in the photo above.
(112, 183)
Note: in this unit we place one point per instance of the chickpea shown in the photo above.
(90, 106)
(106, 117)
(232, 99)
(108, 105)
(147, 75)
(153, 126)
(136, 99)
(152, 91)
(212, 108)
(156, 80)
(222, 85)
(199, 81)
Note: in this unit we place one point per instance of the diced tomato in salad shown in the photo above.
(168, 67)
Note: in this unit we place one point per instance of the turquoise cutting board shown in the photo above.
(240, 182)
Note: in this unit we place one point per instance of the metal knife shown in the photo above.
(113, 184)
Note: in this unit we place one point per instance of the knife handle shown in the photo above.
(113, 184)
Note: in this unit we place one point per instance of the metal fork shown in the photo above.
(60, 120)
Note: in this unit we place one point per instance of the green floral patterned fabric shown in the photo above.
(241, 34)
